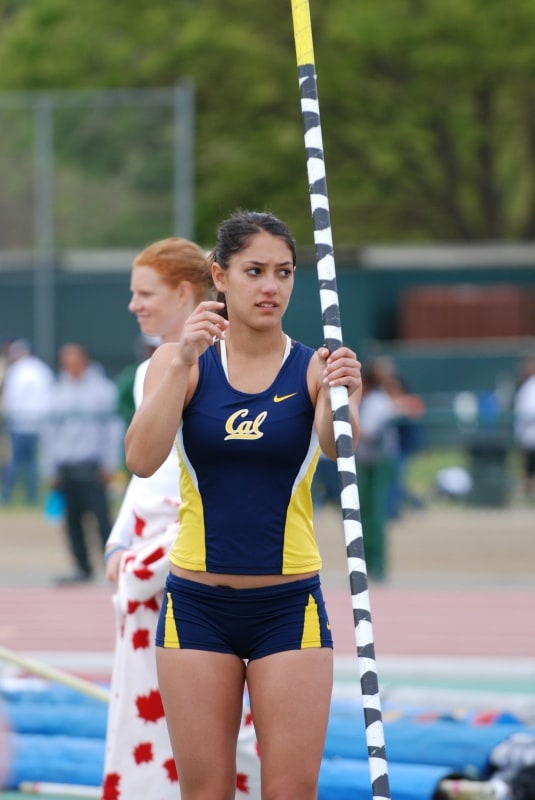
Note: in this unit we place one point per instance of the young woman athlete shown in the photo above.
(243, 602)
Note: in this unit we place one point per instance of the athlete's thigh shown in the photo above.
(290, 695)
(202, 694)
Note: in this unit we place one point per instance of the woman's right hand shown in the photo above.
(199, 331)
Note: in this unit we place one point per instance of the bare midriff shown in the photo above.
(237, 581)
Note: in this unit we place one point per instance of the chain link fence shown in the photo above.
(95, 169)
(91, 170)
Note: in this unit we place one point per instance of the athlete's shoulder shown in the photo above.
(303, 356)
(304, 350)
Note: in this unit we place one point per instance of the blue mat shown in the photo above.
(76, 760)
(460, 746)
(55, 759)
(58, 737)
(341, 779)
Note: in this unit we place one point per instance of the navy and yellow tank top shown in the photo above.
(246, 467)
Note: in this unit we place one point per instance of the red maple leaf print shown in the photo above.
(149, 706)
(133, 606)
(155, 556)
(143, 573)
(139, 525)
(248, 719)
(485, 718)
(242, 783)
(152, 604)
(141, 639)
(170, 767)
(143, 753)
(110, 787)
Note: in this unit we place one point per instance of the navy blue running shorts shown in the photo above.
(250, 623)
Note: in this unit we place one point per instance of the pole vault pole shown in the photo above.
(345, 457)
(55, 674)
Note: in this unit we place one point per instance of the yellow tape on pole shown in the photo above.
(304, 48)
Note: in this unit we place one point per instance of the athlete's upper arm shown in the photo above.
(159, 365)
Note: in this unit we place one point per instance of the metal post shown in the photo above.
(183, 160)
(43, 273)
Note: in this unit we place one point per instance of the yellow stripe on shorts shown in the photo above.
(170, 638)
(311, 629)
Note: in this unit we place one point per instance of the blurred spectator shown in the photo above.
(524, 422)
(410, 409)
(376, 456)
(83, 450)
(25, 404)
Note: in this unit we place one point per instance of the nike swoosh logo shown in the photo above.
(278, 399)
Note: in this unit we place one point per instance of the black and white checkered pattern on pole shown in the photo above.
(346, 464)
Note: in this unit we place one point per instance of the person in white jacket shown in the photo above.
(169, 279)
(25, 405)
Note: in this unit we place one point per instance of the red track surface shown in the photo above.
(442, 622)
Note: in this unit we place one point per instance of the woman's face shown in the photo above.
(258, 282)
(157, 306)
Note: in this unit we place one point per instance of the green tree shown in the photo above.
(437, 119)
(427, 107)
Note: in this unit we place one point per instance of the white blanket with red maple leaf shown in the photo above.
(139, 761)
